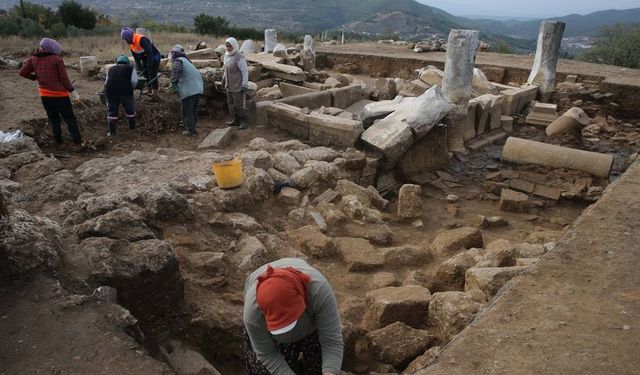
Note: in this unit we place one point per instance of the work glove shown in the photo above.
(173, 88)
(75, 97)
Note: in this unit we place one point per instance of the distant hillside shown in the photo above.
(293, 15)
(577, 25)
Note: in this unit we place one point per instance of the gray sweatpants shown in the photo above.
(190, 112)
(237, 106)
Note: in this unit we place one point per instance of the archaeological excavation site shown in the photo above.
(473, 213)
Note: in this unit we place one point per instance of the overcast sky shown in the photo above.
(531, 8)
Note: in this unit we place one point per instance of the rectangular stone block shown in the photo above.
(343, 97)
(542, 114)
(392, 139)
(517, 99)
(507, 123)
(522, 185)
(218, 138)
(288, 90)
(547, 192)
(326, 130)
(289, 118)
(470, 122)
(311, 100)
(428, 154)
(495, 121)
(207, 53)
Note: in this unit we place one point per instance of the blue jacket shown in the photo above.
(189, 80)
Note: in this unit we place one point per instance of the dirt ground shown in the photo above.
(612, 73)
(20, 105)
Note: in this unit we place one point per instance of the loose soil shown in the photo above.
(160, 128)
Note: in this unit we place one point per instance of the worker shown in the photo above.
(118, 88)
(47, 67)
(291, 320)
(186, 81)
(146, 56)
(236, 82)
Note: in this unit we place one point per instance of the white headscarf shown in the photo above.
(234, 44)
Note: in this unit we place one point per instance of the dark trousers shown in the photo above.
(304, 357)
(58, 109)
(149, 75)
(190, 112)
(236, 101)
(113, 103)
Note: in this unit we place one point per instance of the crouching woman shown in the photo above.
(292, 321)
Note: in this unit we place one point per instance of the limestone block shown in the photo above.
(248, 46)
(344, 97)
(359, 254)
(311, 100)
(288, 89)
(333, 131)
(453, 240)
(481, 85)
(219, 139)
(391, 139)
(270, 40)
(490, 280)
(288, 118)
(450, 274)
(315, 243)
(542, 114)
(451, 312)
(410, 201)
(432, 76)
(87, 63)
(408, 304)
(398, 344)
(513, 201)
(377, 110)
(202, 54)
(506, 123)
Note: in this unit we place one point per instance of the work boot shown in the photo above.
(112, 128)
(233, 122)
(132, 123)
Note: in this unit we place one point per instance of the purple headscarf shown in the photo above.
(50, 46)
(178, 51)
(126, 34)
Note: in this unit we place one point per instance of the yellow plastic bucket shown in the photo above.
(228, 173)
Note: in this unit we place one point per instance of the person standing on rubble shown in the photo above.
(118, 88)
(146, 56)
(236, 82)
(47, 67)
(187, 82)
(291, 320)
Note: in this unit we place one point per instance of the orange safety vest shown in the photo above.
(135, 46)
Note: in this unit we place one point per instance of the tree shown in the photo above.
(617, 45)
(206, 24)
(8, 26)
(44, 16)
(503, 47)
(74, 14)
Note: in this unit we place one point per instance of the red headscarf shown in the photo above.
(281, 294)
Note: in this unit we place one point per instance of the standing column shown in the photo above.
(458, 75)
(543, 72)
(308, 54)
(270, 40)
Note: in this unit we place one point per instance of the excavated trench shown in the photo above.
(201, 299)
